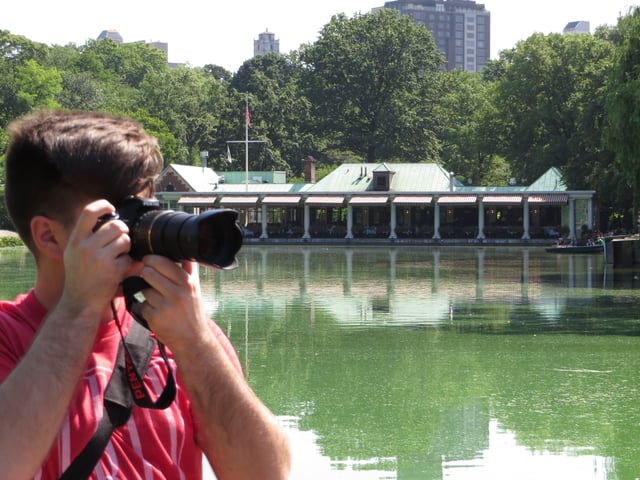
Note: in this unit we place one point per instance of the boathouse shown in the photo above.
(392, 201)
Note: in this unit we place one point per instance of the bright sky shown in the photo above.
(222, 32)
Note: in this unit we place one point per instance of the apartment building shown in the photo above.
(460, 28)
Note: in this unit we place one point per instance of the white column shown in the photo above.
(349, 222)
(572, 218)
(307, 222)
(525, 219)
(480, 219)
(590, 213)
(436, 219)
(265, 233)
(392, 226)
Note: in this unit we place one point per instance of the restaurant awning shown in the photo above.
(369, 200)
(239, 200)
(457, 200)
(549, 199)
(412, 199)
(198, 200)
(327, 200)
(502, 199)
(281, 200)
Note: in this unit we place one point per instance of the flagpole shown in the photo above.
(246, 143)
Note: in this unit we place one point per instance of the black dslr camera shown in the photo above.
(211, 238)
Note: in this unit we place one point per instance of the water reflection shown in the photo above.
(436, 287)
(441, 363)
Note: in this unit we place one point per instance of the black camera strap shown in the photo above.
(125, 388)
(134, 372)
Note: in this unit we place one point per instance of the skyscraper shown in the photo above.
(577, 27)
(266, 43)
(112, 34)
(460, 28)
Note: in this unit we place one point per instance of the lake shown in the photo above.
(434, 362)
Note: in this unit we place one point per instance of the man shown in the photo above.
(59, 342)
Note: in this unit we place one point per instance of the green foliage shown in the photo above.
(551, 100)
(37, 86)
(370, 82)
(623, 104)
(11, 242)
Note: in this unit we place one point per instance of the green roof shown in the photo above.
(551, 181)
(406, 177)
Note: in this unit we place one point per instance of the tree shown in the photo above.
(464, 110)
(623, 105)
(550, 99)
(370, 80)
(188, 100)
(15, 51)
(37, 86)
(279, 110)
(127, 63)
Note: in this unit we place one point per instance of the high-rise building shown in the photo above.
(460, 28)
(266, 43)
(112, 34)
(577, 27)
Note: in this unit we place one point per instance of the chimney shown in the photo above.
(309, 170)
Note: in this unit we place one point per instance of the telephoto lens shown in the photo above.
(211, 238)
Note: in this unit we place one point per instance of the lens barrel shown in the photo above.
(212, 238)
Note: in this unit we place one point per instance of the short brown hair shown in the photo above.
(56, 160)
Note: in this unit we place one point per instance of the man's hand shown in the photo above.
(95, 260)
(173, 305)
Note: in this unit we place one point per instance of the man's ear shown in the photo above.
(47, 236)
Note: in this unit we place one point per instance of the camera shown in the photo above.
(211, 238)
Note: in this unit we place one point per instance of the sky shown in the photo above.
(222, 32)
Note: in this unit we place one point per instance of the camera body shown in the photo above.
(211, 238)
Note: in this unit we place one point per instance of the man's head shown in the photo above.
(58, 161)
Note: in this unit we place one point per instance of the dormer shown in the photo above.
(382, 177)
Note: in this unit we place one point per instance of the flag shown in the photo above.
(229, 159)
(247, 117)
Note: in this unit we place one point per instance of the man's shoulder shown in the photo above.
(24, 311)
(19, 321)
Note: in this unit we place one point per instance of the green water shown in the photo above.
(434, 363)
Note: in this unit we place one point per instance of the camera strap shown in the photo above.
(125, 388)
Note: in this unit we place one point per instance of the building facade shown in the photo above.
(266, 43)
(417, 202)
(460, 28)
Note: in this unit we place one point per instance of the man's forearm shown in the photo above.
(34, 398)
(238, 434)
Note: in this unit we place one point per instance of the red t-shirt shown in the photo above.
(153, 444)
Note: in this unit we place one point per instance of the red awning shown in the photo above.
(457, 200)
(239, 200)
(197, 200)
(281, 200)
(502, 199)
(327, 200)
(369, 200)
(549, 199)
(412, 199)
